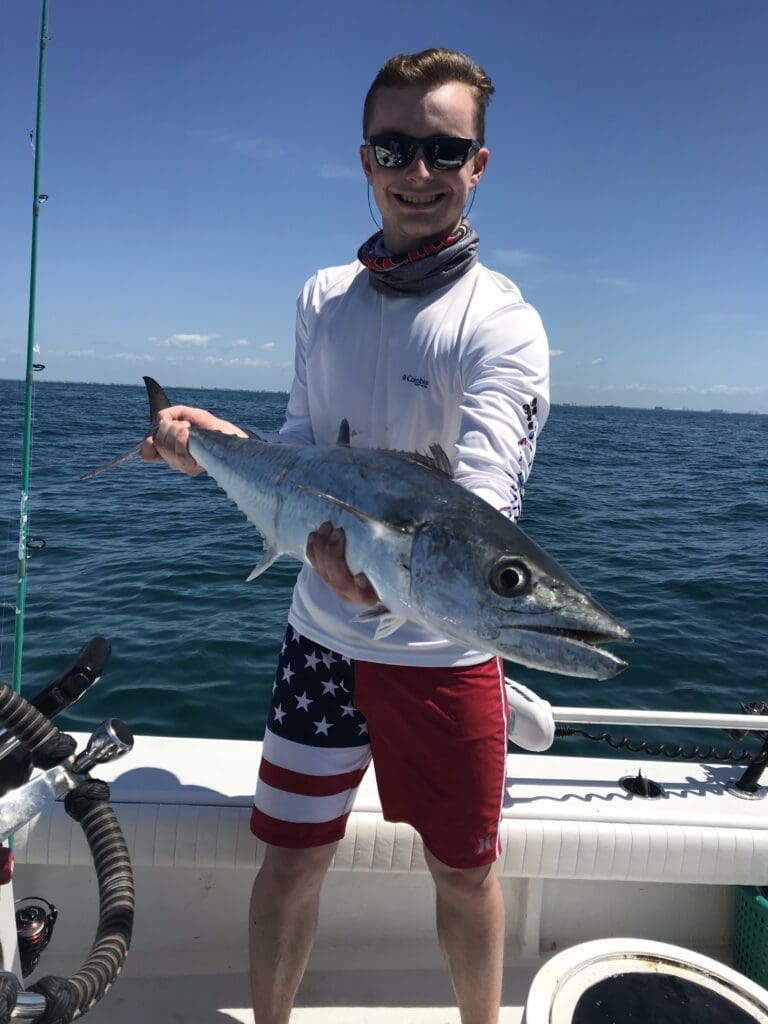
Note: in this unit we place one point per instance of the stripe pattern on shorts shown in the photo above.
(315, 749)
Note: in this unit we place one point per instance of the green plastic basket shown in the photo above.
(750, 935)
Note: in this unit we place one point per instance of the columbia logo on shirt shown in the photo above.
(418, 381)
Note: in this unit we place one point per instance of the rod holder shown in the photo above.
(749, 783)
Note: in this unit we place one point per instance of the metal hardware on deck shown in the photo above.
(639, 785)
(110, 740)
(748, 785)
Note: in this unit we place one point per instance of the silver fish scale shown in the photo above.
(432, 550)
(281, 489)
(435, 553)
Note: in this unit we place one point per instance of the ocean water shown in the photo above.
(662, 515)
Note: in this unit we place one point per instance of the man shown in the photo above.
(415, 343)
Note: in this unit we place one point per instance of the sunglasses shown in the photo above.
(441, 152)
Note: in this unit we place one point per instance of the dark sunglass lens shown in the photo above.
(392, 151)
(448, 154)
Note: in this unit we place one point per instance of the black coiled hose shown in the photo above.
(69, 998)
(45, 742)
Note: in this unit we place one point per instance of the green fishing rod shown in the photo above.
(37, 201)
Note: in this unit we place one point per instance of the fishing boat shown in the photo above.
(649, 856)
(628, 849)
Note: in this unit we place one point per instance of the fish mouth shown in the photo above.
(573, 651)
(590, 637)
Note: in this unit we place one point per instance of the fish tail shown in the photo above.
(157, 400)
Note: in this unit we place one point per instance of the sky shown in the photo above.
(200, 159)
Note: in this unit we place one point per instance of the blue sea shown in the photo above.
(661, 514)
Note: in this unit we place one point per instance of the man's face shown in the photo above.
(419, 204)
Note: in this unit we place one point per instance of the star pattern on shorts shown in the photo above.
(312, 696)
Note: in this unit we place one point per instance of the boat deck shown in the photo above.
(353, 997)
(582, 860)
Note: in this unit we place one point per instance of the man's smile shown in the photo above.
(418, 199)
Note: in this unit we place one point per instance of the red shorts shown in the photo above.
(438, 738)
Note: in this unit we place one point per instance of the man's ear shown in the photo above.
(365, 160)
(479, 165)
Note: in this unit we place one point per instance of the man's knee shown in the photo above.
(459, 883)
(290, 872)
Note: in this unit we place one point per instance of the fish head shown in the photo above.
(494, 589)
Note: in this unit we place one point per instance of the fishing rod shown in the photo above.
(37, 201)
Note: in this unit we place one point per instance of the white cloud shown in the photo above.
(625, 285)
(188, 340)
(245, 361)
(513, 257)
(597, 361)
(340, 172)
(722, 389)
(239, 343)
(685, 389)
(76, 353)
(264, 150)
(103, 354)
(152, 337)
(556, 352)
(268, 346)
(131, 357)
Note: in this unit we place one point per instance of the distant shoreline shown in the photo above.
(266, 391)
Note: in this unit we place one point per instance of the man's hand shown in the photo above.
(325, 551)
(170, 442)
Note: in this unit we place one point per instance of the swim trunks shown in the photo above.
(438, 738)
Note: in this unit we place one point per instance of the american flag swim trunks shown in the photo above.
(438, 737)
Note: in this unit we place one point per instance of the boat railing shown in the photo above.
(571, 721)
(656, 719)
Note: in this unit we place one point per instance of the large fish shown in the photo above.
(435, 554)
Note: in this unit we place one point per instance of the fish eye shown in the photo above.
(509, 577)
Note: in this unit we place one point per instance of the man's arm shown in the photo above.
(505, 375)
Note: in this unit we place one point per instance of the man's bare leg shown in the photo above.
(470, 927)
(283, 922)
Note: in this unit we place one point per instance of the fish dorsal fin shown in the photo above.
(437, 461)
(343, 438)
(365, 517)
(442, 462)
(157, 399)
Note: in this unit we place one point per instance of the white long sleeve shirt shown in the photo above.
(465, 367)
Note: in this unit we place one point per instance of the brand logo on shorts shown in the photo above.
(486, 843)
(420, 382)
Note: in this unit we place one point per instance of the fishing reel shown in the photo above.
(34, 928)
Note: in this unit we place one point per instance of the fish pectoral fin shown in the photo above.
(361, 514)
(128, 456)
(388, 622)
(270, 556)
